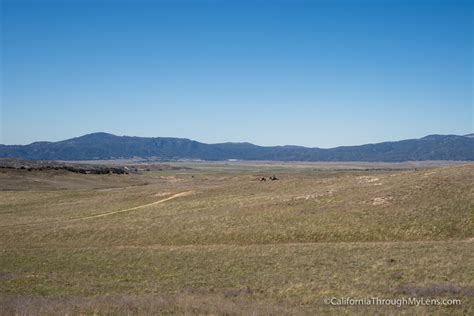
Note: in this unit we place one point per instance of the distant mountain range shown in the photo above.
(103, 146)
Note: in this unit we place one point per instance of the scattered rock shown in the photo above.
(272, 178)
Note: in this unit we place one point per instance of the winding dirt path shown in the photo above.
(174, 196)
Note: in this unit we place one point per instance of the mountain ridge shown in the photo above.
(105, 146)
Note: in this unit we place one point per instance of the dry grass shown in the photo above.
(236, 245)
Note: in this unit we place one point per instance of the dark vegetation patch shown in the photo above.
(40, 165)
(439, 289)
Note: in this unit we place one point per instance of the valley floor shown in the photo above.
(214, 239)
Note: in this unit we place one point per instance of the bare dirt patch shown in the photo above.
(382, 200)
(369, 180)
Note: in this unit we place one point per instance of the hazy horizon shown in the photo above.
(308, 73)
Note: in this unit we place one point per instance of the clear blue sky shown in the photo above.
(313, 73)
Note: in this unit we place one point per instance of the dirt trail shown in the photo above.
(136, 207)
(174, 196)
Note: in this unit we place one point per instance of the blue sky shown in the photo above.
(313, 73)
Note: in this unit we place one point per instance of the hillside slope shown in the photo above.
(107, 146)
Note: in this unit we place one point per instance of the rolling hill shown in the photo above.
(106, 146)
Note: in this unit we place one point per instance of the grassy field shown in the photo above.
(215, 240)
